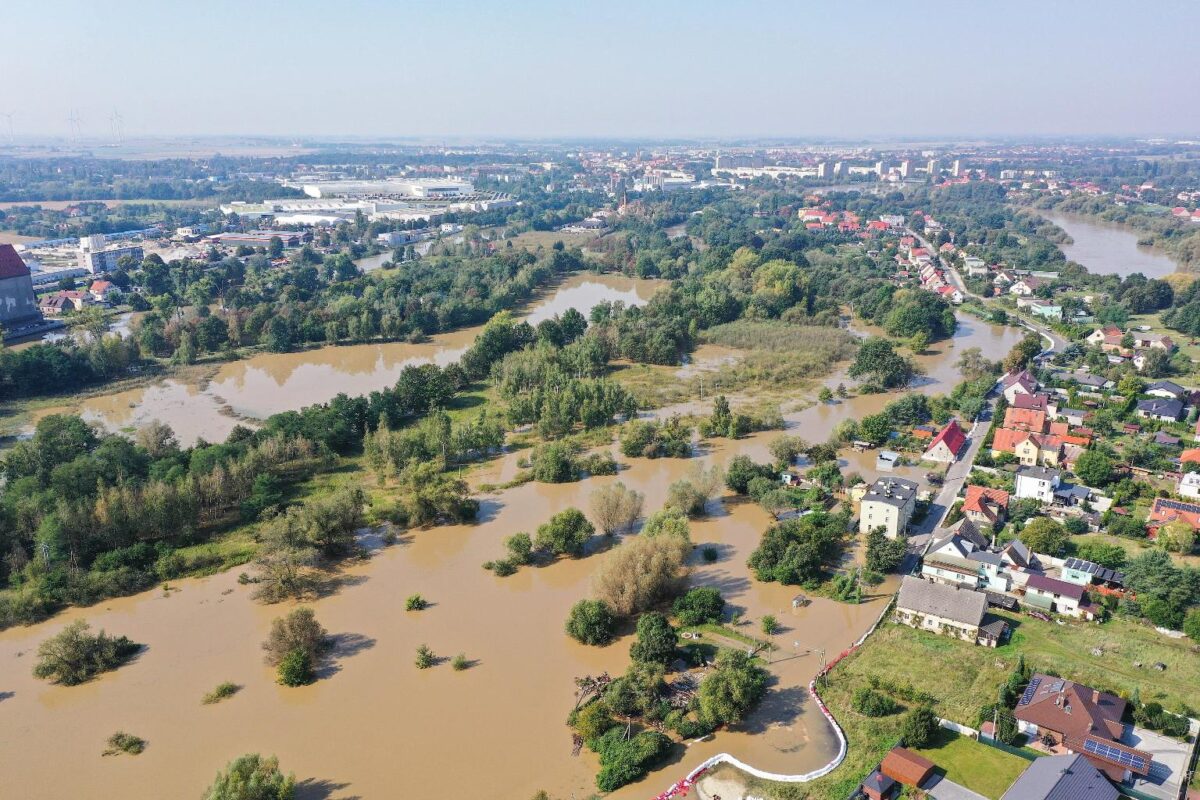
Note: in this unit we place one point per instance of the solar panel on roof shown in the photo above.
(1115, 754)
(1030, 691)
(1057, 686)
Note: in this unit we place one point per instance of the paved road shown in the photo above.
(956, 476)
(1057, 342)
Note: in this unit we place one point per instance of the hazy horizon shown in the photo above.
(690, 71)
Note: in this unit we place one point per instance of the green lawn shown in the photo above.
(978, 767)
(961, 678)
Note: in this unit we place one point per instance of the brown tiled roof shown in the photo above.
(905, 766)
(1072, 710)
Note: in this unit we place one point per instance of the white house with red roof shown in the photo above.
(946, 446)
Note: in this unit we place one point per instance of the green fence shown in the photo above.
(1008, 748)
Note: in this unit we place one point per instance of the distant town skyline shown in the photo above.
(539, 69)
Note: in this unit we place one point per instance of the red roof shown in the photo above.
(1193, 454)
(951, 435)
(905, 766)
(11, 264)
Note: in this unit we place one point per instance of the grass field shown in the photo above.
(532, 240)
(978, 767)
(961, 678)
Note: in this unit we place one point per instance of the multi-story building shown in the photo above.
(107, 260)
(888, 504)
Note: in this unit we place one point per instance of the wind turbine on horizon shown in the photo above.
(9, 115)
(76, 125)
(118, 126)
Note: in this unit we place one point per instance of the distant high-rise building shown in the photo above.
(838, 168)
(932, 167)
(905, 168)
(879, 168)
(956, 170)
(823, 169)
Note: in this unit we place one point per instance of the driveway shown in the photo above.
(956, 476)
(1170, 761)
(940, 788)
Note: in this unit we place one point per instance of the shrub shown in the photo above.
(75, 656)
(299, 630)
(616, 507)
(519, 547)
(502, 568)
(592, 721)
(121, 742)
(710, 554)
(591, 622)
(920, 727)
(625, 760)
(770, 625)
(667, 521)
(415, 603)
(460, 662)
(296, 668)
(871, 703)
(699, 605)
(425, 657)
(252, 777)
(222, 691)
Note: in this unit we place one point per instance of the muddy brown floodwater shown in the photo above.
(268, 383)
(374, 726)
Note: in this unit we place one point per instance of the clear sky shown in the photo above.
(614, 68)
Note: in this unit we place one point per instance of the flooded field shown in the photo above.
(269, 383)
(374, 726)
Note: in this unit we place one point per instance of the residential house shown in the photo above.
(1155, 341)
(1088, 573)
(1026, 286)
(1015, 383)
(1061, 597)
(974, 267)
(1167, 389)
(1031, 449)
(1032, 402)
(1025, 419)
(100, 291)
(1050, 311)
(994, 574)
(1164, 510)
(1160, 409)
(948, 610)
(1098, 336)
(946, 446)
(1081, 720)
(1189, 485)
(984, 505)
(888, 503)
(950, 570)
(1037, 483)
(60, 302)
(1066, 777)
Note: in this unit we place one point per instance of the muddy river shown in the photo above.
(268, 383)
(374, 726)
(1107, 248)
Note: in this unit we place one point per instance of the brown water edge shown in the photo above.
(268, 383)
(374, 725)
(1109, 248)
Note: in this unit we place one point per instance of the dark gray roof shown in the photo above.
(893, 491)
(1167, 386)
(1072, 412)
(1068, 777)
(1042, 473)
(1161, 407)
(970, 531)
(948, 602)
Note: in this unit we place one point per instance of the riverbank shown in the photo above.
(1105, 247)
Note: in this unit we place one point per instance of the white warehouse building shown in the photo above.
(425, 188)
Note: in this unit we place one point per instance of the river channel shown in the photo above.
(1107, 248)
(374, 726)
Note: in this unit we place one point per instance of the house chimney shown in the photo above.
(1096, 696)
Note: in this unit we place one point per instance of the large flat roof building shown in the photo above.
(425, 188)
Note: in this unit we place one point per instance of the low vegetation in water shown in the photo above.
(415, 602)
(121, 742)
(75, 655)
(425, 657)
(223, 691)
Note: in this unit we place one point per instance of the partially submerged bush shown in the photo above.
(75, 656)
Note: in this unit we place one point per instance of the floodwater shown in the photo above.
(374, 726)
(1107, 248)
(267, 383)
